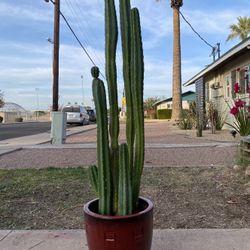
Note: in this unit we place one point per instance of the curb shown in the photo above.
(8, 123)
(73, 133)
(10, 151)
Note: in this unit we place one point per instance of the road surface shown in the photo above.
(8, 131)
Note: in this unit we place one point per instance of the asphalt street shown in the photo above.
(8, 131)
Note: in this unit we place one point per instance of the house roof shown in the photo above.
(185, 94)
(239, 48)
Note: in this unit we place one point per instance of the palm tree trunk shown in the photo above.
(176, 80)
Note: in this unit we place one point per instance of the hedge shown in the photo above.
(164, 113)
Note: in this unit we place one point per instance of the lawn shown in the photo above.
(184, 197)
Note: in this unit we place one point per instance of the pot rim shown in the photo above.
(118, 217)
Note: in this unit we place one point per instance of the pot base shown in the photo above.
(130, 232)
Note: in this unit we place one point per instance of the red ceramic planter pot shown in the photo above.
(130, 232)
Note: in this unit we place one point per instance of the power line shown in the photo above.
(81, 29)
(92, 39)
(89, 39)
(80, 43)
(72, 31)
(195, 31)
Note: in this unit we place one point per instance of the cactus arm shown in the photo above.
(124, 187)
(111, 36)
(103, 156)
(93, 176)
(126, 52)
(137, 77)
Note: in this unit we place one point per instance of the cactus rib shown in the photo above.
(93, 176)
(103, 160)
(124, 188)
(111, 36)
(137, 69)
(125, 27)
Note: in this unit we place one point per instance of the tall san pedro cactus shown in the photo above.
(137, 78)
(103, 155)
(111, 36)
(125, 27)
(126, 162)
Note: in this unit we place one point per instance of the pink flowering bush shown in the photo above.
(240, 111)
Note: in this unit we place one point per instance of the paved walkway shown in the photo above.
(166, 145)
(167, 239)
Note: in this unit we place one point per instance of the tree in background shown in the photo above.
(150, 101)
(241, 29)
(176, 77)
(1, 99)
(176, 82)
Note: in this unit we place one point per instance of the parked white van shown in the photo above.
(76, 114)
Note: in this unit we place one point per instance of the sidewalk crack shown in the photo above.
(6, 235)
(32, 247)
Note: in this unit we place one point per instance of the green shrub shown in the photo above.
(1, 119)
(216, 118)
(18, 119)
(187, 121)
(164, 113)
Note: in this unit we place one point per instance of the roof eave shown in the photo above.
(236, 49)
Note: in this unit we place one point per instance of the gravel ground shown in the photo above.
(163, 132)
(160, 132)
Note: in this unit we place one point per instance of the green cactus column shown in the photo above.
(111, 36)
(137, 78)
(125, 27)
(125, 187)
(103, 156)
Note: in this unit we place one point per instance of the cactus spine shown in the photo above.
(117, 177)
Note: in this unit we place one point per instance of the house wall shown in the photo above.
(219, 84)
(168, 105)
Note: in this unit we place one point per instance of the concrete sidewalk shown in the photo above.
(166, 239)
(14, 144)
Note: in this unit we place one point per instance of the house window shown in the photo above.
(233, 81)
(241, 75)
(207, 92)
(248, 77)
(228, 84)
(242, 80)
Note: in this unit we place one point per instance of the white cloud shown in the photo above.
(211, 22)
(24, 12)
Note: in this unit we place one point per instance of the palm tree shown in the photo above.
(241, 29)
(176, 77)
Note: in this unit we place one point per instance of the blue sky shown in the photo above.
(26, 55)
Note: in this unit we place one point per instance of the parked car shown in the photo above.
(76, 114)
(92, 115)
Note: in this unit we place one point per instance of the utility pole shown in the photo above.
(56, 55)
(37, 102)
(82, 91)
(58, 124)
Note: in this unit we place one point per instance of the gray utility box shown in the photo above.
(58, 127)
